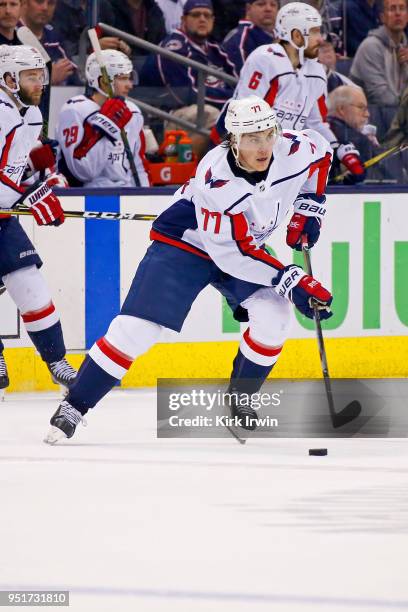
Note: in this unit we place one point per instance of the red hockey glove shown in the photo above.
(42, 157)
(112, 117)
(43, 205)
(304, 291)
(306, 220)
(349, 156)
(57, 180)
(300, 225)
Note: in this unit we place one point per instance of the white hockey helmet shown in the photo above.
(251, 114)
(116, 63)
(15, 59)
(296, 16)
(248, 116)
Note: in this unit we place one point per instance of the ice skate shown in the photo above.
(63, 423)
(62, 373)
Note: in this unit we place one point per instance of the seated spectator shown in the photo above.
(361, 17)
(255, 30)
(398, 132)
(10, 13)
(172, 12)
(89, 129)
(328, 57)
(380, 65)
(70, 23)
(192, 41)
(348, 114)
(141, 18)
(37, 15)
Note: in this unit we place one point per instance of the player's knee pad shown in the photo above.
(131, 335)
(269, 317)
(29, 291)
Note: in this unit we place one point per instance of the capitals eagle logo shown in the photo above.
(214, 182)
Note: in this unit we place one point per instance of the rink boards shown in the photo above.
(362, 255)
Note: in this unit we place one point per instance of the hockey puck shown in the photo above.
(318, 452)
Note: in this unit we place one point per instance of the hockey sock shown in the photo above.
(49, 342)
(247, 376)
(91, 385)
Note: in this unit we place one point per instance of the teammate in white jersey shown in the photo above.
(288, 76)
(22, 78)
(88, 131)
(214, 233)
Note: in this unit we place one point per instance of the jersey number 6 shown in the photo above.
(255, 80)
(213, 215)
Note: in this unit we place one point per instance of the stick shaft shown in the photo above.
(89, 214)
(320, 339)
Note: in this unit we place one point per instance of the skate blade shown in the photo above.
(236, 434)
(54, 435)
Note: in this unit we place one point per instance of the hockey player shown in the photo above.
(213, 233)
(288, 76)
(23, 76)
(92, 151)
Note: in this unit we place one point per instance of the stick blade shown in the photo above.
(27, 37)
(351, 412)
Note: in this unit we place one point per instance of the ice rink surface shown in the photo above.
(127, 522)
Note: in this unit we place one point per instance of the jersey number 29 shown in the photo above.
(71, 135)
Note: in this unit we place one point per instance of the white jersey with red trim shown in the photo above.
(226, 214)
(297, 96)
(19, 133)
(105, 164)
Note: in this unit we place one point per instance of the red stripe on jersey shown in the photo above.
(267, 351)
(6, 148)
(323, 167)
(321, 103)
(37, 315)
(272, 91)
(3, 161)
(184, 246)
(244, 240)
(121, 359)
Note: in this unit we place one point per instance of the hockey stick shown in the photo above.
(353, 409)
(375, 160)
(87, 214)
(27, 37)
(105, 77)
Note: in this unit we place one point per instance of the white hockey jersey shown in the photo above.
(105, 164)
(19, 133)
(226, 214)
(298, 97)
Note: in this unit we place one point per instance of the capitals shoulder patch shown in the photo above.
(294, 147)
(214, 182)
